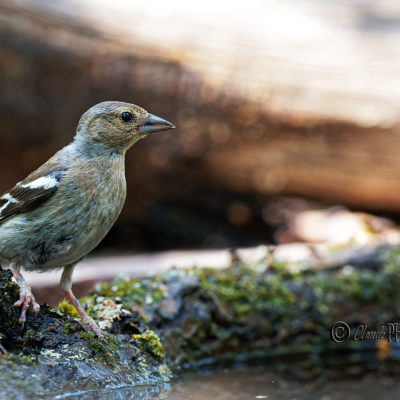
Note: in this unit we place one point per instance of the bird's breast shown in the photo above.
(100, 191)
(94, 193)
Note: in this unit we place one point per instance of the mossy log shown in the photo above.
(52, 354)
(248, 311)
(267, 308)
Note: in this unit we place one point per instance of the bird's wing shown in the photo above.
(31, 192)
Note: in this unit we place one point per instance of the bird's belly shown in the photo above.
(67, 234)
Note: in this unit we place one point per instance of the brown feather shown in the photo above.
(28, 199)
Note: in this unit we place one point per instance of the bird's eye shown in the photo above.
(126, 116)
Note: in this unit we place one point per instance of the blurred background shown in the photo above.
(282, 108)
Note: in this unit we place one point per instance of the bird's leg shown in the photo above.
(66, 284)
(25, 293)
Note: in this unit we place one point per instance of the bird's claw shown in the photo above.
(90, 325)
(86, 321)
(25, 299)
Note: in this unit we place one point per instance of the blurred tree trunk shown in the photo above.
(262, 116)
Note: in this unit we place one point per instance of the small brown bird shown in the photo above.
(61, 211)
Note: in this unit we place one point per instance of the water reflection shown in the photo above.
(263, 384)
(147, 392)
(364, 378)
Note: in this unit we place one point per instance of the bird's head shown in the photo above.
(119, 125)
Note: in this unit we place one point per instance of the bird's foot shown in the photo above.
(87, 322)
(90, 325)
(25, 294)
(26, 298)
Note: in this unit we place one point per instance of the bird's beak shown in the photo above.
(155, 124)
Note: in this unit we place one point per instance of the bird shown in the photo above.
(62, 210)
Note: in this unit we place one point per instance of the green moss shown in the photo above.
(31, 340)
(140, 292)
(242, 291)
(69, 328)
(149, 342)
(104, 349)
(65, 308)
(14, 360)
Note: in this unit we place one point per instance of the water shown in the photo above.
(245, 385)
(354, 381)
